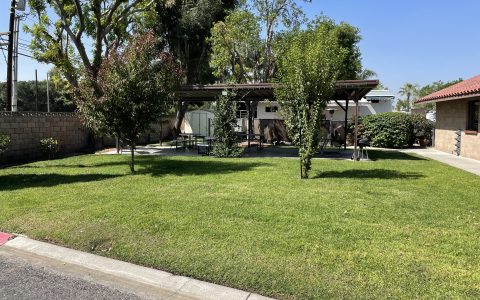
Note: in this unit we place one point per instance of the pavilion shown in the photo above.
(251, 94)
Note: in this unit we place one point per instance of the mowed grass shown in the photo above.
(396, 227)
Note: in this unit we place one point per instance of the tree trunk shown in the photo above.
(181, 110)
(132, 163)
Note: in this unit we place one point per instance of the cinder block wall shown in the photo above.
(26, 129)
(452, 116)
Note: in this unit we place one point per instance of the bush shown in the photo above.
(224, 122)
(4, 143)
(50, 146)
(388, 130)
(422, 129)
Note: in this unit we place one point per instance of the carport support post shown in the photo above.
(355, 142)
(346, 125)
(249, 121)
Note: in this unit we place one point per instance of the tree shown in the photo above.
(432, 88)
(308, 69)
(409, 90)
(135, 87)
(61, 98)
(63, 31)
(236, 48)
(273, 14)
(402, 105)
(184, 26)
(224, 122)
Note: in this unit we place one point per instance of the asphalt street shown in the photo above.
(23, 279)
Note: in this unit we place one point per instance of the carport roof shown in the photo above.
(344, 90)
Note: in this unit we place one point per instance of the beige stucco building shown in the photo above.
(458, 109)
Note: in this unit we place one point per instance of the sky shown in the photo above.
(417, 41)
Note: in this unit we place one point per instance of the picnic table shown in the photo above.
(207, 145)
(192, 139)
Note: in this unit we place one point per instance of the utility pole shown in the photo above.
(48, 95)
(11, 29)
(36, 91)
(16, 32)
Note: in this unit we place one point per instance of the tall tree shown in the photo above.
(274, 14)
(409, 90)
(308, 69)
(236, 48)
(65, 30)
(185, 27)
(137, 87)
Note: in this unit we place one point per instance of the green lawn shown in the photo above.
(397, 227)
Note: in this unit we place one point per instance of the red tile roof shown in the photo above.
(464, 89)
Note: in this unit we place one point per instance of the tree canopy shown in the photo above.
(135, 87)
(308, 68)
(64, 30)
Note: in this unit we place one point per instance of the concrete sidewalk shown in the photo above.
(466, 164)
(125, 277)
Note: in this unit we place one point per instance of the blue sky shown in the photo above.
(418, 41)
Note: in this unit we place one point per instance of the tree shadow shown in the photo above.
(369, 174)
(171, 166)
(12, 182)
(391, 155)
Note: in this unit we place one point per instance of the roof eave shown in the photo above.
(459, 97)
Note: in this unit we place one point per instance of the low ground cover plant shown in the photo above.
(50, 147)
(5, 141)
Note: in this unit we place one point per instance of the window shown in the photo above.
(271, 109)
(473, 113)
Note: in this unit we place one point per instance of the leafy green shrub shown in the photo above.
(388, 130)
(224, 122)
(50, 146)
(4, 143)
(422, 129)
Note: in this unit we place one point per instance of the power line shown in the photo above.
(22, 54)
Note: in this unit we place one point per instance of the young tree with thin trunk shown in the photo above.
(308, 69)
(135, 86)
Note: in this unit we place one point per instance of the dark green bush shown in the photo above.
(388, 130)
(226, 144)
(422, 128)
(4, 143)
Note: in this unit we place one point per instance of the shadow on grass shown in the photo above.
(22, 181)
(368, 174)
(172, 166)
(393, 155)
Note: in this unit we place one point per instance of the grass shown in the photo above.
(397, 227)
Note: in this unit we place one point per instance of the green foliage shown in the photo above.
(184, 26)
(236, 48)
(432, 88)
(64, 30)
(395, 130)
(388, 130)
(135, 87)
(422, 127)
(50, 146)
(308, 69)
(5, 141)
(224, 122)
(61, 99)
(409, 90)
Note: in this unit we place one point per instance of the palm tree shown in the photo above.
(410, 90)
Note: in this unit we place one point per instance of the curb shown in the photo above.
(166, 284)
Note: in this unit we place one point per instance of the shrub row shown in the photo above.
(396, 130)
